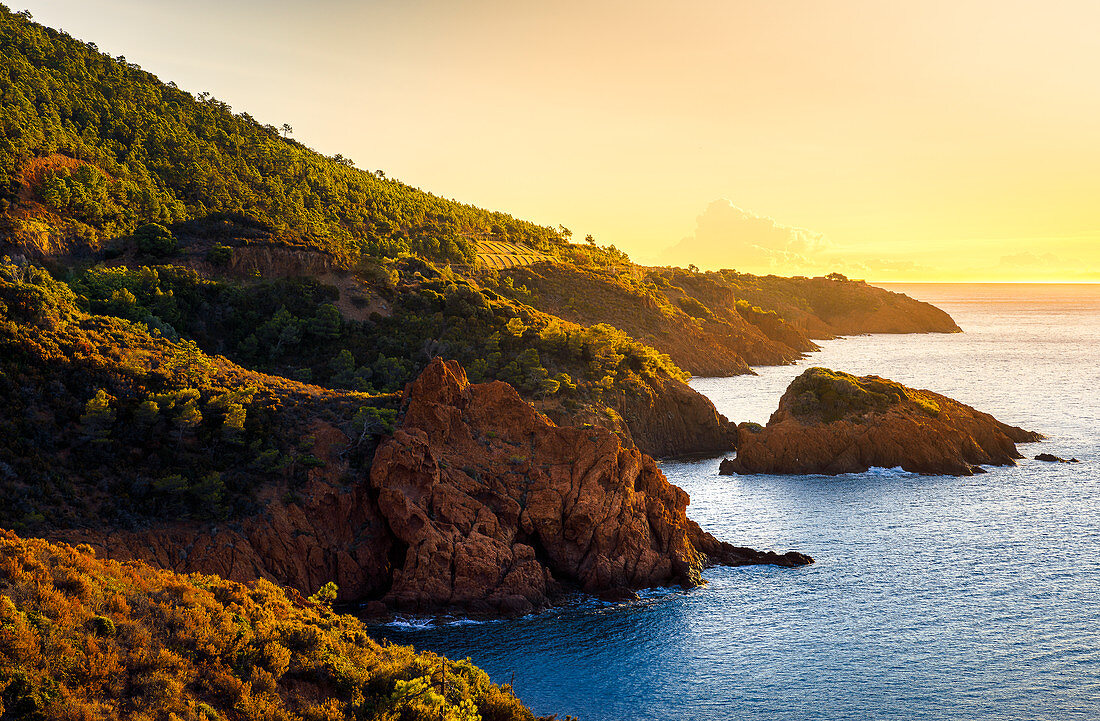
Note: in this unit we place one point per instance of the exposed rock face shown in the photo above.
(666, 419)
(832, 423)
(477, 502)
(497, 508)
(676, 420)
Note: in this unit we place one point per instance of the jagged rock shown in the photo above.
(829, 422)
(1051, 458)
(498, 509)
(477, 502)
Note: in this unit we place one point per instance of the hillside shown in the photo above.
(295, 264)
(721, 323)
(87, 638)
(92, 147)
(109, 422)
(147, 447)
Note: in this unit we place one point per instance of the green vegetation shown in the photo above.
(110, 419)
(83, 638)
(928, 405)
(823, 394)
(195, 250)
(108, 148)
(291, 327)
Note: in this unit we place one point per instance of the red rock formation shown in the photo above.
(672, 419)
(666, 418)
(497, 507)
(834, 423)
(477, 502)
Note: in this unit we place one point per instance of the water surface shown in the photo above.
(932, 597)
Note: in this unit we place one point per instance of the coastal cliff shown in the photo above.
(498, 508)
(831, 422)
(476, 503)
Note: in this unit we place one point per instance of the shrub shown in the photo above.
(695, 308)
(201, 647)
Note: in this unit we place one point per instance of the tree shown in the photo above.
(98, 417)
(287, 129)
(325, 595)
(156, 240)
(327, 322)
(188, 417)
(589, 239)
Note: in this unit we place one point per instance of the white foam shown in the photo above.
(410, 624)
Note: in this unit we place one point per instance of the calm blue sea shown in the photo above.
(931, 598)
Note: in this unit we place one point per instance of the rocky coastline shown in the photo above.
(831, 422)
(476, 504)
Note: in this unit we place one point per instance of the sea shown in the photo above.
(932, 597)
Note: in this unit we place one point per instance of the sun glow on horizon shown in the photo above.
(935, 141)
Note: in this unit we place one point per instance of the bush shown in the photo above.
(695, 308)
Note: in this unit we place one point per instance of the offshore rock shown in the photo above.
(496, 509)
(1051, 458)
(830, 422)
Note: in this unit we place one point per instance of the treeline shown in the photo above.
(150, 152)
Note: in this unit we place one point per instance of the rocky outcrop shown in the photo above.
(1051, 458)
(672, 419)
(477, 502)
(829, 422)
(664, 419)
(495, 508)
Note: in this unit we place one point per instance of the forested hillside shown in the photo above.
(107, 147)
(107, 422)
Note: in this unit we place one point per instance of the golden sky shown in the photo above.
(930, 140)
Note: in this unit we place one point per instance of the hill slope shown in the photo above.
(91, 147)
(92, 639)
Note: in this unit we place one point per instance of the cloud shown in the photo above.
(1027, 259)
(727, 236)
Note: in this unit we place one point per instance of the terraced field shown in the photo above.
(500, 255)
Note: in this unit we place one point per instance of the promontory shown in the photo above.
(830, 422)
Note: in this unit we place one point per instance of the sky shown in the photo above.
(894, 141)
